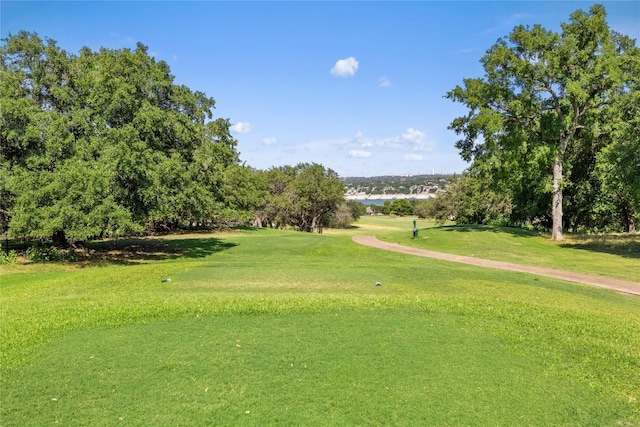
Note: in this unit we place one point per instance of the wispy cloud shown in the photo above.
(345, 67)
(242, 127)
(410, 138)
(384, 82)
(359, 153)
(411, 145)
(413, 135)
(269, 141)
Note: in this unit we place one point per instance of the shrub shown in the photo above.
(8, 257)
(39, 253)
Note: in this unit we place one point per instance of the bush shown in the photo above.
(71, 255)
(39, 253)
(8, 258)
(342, 217)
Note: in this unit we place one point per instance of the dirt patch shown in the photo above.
(623, 286)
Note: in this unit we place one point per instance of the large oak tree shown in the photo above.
(104, 143)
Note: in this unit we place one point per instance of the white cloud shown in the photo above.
(362, 140)
(242, 127)
(359, 153)
(412, 141)
(384, 82)
(345, 67)
(411, 138)
(413, 135)
(269, 141)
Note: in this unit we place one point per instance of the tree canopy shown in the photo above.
(304, 196)
(104, 143)
(549, 109)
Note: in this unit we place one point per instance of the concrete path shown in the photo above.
(623, 286)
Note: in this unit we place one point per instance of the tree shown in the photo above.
(539, 91)
(342, 217)
(401, 207)
(469, 199)
(320, 192)
(280, 201)
(357, 209)
(105, 144)
(618, 164)
(422, 209)
(305, 196)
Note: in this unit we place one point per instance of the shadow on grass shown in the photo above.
(514, 231)
(624, 245)
(135, 251)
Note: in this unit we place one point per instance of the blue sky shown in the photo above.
(355, 86)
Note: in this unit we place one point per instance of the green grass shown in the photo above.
(407, 366)
(615, 256)
(267, 328)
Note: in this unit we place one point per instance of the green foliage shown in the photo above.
(401, 207)
(548, 102)
(10, 257)
(41, 253)
(346, 214)
(105, 144)
(423, 209)
(356, 208)
(306, 197)
(618, 163)
(469, 200)
(342, 217)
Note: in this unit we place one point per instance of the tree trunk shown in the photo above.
(629, 218)
(59, 239)
(556, 207)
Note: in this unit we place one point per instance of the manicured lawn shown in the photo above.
(608, 255)
(268, 327)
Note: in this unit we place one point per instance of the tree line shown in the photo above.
(105, 144)
(552, 131)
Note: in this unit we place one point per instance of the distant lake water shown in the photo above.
(380, 202)
(375, 202)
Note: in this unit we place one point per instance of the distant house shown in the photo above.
(370, 211)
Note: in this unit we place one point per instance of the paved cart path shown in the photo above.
(624, 286)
